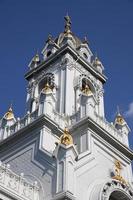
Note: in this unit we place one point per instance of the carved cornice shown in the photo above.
(63, 50)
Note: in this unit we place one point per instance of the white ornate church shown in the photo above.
(64, 148)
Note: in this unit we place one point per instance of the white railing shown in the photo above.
(19, 124)
(62, 122)
(110, 128)
(103, 123)
(17, 185)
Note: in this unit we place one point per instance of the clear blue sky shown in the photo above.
(108, 25)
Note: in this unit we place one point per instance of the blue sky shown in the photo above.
(108, 26)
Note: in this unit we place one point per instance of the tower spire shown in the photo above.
(67, 24)
(118, 110)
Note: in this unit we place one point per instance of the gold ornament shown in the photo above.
(46, 88)
(97, 62)
(86, 90)
(118, 168)
(67, 24)
(119, 120)
(66, 138)
(36, 58)
(9, 115)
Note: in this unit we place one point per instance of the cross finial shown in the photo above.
(37, 51)
(118, 110)
(49, 38)
(67, 24)
(10, 107)
(85, 40)
(96, 56)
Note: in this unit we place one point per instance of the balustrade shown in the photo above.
(17, 185)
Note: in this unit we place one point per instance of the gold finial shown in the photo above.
(49, 38)
(118, 168)
(67, 24)
(66, 138)
(97, 62)
(85, 41)
(9, 115)
(119, 118)
(36, 58)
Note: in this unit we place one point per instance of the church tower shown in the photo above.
(64, 148)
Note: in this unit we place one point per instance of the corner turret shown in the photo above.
(121, 125)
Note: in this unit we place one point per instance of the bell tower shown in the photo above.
(69, 80)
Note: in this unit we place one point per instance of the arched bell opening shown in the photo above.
(47, 83)
(86, 86)
(119, 195)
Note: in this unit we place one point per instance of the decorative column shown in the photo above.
(122, 126)
(47, 101)
(66, 155)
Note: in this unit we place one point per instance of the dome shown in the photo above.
(67, 34)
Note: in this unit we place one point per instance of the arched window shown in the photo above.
(47, 82)
(86, 87)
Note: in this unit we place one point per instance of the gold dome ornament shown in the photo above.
(9, 115)
(66, 138)
(86, 90)
(119, 120)
(47, 88)
(36, 58)
(97, 62)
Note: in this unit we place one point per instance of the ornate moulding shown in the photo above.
(116, 186)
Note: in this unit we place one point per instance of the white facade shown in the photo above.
(65, 89)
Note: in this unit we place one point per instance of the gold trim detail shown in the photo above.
(66, 138)
(118, 168)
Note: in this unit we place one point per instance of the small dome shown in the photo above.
(36, 58)
(9, 115)
(97, 62)
(68, 34)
